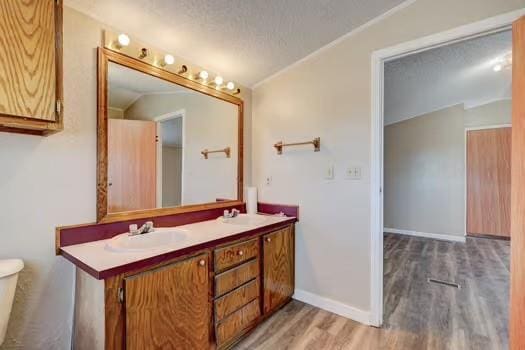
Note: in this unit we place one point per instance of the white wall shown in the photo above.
(424, 173)
(328, 95)
(45, 182)
(495, 113)
(424, 167)
(50, 181)
(208, 123)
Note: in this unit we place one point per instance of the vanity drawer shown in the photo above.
(235, 254)
(236, 323)
(236, 277)
(237, 298)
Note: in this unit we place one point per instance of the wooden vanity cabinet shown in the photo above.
(209, 299)
(279, 268)
(168, 307)
(31, 66)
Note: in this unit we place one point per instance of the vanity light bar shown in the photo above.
(121, 42)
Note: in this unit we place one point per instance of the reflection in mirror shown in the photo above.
(157, 132)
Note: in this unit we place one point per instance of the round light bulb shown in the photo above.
(123, 40)
(230, 85)
(219, 80)
(203, 75)
(169, 59)
(498, 67)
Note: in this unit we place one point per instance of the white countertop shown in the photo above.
(97, 256)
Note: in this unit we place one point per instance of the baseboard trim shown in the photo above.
(480, 235)
(333, 306)
(439, 236)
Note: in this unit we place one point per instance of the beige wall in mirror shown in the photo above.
(156, 133)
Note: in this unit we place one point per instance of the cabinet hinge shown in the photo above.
(58, 106)
(121, 295)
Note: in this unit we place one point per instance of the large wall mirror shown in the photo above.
(167, 144)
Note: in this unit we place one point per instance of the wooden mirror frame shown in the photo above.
(104, 57)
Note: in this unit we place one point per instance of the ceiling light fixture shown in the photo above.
(503, 62)
(122, 41)
(203, 75)
(218, 80)
(168, 59)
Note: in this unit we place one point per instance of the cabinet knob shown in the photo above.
(202, 262)
(268, 239)
(241, 253)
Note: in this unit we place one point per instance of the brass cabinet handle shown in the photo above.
(268, 239)
(202, 262)
(241, 253)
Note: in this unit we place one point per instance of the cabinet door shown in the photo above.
(278, 268)
(30, 64)
(169, 307)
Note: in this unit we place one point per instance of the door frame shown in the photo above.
(481, 28)
(474, 128)
(181, 113)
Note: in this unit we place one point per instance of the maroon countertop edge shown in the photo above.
(271, 208)
(154, 260)
(98, 231)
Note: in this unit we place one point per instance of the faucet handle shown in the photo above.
(149, 227)
(133, 229)
(226, 214)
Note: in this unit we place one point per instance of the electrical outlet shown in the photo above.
(268, 181)
(353, 173)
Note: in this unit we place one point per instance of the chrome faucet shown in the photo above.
(146, 228)
(228, 215)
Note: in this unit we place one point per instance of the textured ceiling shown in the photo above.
(447, 76)
(244, 40)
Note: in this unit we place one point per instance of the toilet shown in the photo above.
(9, 269)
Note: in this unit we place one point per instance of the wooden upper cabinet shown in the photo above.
(31, 66)
(279, 268)
(169, 307)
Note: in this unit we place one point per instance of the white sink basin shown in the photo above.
(244, 220)
(147, 241)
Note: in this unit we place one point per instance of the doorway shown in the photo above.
(485, 27)
(170, 158)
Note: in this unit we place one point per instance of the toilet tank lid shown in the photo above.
(10, 266)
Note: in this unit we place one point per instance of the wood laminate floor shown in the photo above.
(418, 314)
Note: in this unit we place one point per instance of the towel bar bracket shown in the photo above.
(315, 142)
